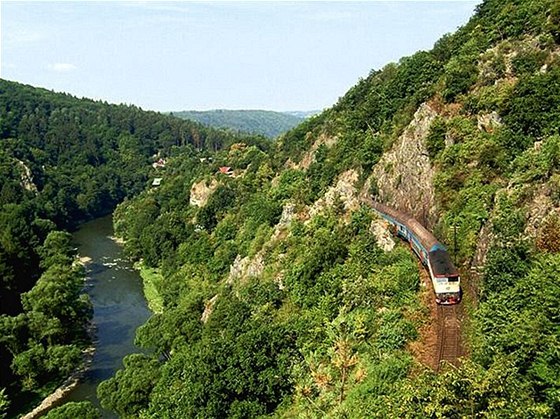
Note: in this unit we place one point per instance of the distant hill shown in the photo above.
(267, 123)
(303, 114)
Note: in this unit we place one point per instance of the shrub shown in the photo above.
(435, 141)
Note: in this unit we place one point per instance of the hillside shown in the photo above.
(267, 123)
(282, 294)
(278, 299)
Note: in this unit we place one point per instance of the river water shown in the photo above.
(119, 307)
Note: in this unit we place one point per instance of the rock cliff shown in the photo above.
(404, 175)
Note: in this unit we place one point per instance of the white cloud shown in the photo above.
(62, 67)
(23, 36)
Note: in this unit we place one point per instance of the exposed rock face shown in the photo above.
(540, 207)
(243, 268)
(344, 192)
(288, 214)
(201, 191)
(256, 266)
(488, 122)
(246, 267)
(237, 268)
(309, 155)
(26, 177)
(380, 230)
(404, 174)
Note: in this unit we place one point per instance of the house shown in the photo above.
(156, 182)
(226, 170)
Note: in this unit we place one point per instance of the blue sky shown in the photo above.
(184, 55)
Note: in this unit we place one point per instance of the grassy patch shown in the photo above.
(151, 279)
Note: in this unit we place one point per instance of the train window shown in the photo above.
(453, 279)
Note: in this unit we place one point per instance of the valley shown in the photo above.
(280, 293)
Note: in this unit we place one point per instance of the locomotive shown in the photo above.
(445, 277)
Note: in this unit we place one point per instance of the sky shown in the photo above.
(197, 55)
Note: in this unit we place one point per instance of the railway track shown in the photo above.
(446, 325)
(449, 338)
(442, 279)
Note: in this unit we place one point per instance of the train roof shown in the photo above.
(438, 255)
(441, 262)
(426, 238)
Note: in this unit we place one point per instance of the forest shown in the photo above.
(63, 161)
(277, 299)
(267, 123)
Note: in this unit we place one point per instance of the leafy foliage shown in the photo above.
(69, 410)
(255, 265)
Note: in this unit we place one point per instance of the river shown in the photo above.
(119, 307)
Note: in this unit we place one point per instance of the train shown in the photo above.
(443, 273)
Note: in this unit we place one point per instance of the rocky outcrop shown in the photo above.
(246, 267)
(404, 174)
(488, 122)
(201, 191)
(288, 214)
(380, 230)
(539, 208)
(309, 156)
(26, 177)
(344, 192)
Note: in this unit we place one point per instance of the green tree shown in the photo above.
(57, 249)
(74, 410)
(128, 392)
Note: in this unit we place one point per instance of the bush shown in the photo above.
(548, 235)
(74, 410)
(533, 107)
(435, 141)
(528, 62)
(460, 75)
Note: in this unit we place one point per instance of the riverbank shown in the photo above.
(151, 279)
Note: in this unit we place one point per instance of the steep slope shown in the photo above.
(267, 123)
(303, 314)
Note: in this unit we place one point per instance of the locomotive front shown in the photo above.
(445, 277)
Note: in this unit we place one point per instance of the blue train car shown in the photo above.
(443, 274)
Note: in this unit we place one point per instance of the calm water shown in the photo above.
(115, 289)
